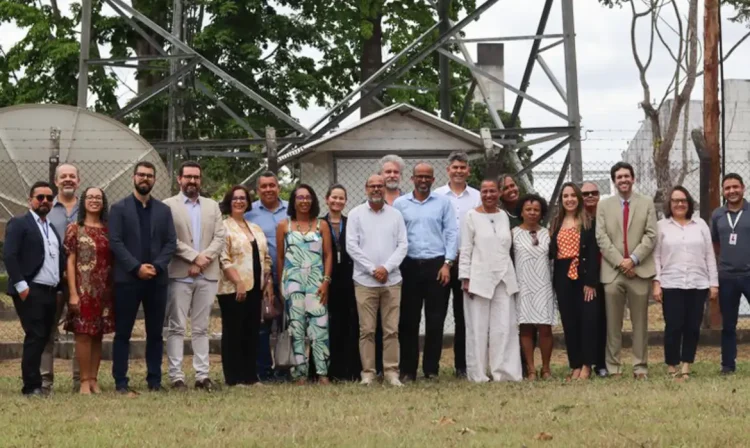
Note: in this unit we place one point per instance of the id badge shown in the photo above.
(338, 257)
(732, 239)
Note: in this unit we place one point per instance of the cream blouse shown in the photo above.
(238, 254)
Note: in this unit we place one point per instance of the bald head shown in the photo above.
(67, 180)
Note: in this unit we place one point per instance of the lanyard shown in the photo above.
(45, 229)
(732, 225)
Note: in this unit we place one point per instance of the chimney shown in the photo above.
(491, 57)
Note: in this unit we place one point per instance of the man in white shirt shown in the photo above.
(376, 242)
(464, 198)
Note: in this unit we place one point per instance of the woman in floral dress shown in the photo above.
(304, 267)
(89, 273)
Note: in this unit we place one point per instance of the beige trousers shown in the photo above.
(369, 300)
(634, 292)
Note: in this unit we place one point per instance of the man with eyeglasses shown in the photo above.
(64, 211)
(376, 241)
(432, 236)
(193, 275)
(590, 193)
(33, 257)
(142, 239)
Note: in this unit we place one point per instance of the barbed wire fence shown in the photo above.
(100, 167)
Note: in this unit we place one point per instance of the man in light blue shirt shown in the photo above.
(268, 212)
(433, 244)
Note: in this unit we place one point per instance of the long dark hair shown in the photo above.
(314, 206)
(582, 215)
(103, 214)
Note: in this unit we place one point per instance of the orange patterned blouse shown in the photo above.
(569, 246)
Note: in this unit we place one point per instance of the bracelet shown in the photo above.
(327, 278)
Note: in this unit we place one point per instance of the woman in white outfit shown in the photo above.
(489, 282)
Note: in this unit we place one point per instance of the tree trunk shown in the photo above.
(372, 60)
(711, 96)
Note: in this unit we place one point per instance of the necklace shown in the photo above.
(309, 227)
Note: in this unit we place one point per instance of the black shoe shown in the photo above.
(406, 378)
(127, 391)
(36, 393)
(727, 371)
(206, 385)
(179, 386)
(432, 377)
(460, 373)
(157, 388)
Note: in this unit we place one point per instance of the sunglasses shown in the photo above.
(534, 238)
(42, 197)
(587, 194)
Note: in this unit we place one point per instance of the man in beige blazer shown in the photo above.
(626, 233)
(193, 275)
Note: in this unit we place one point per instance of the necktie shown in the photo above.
(625, 213)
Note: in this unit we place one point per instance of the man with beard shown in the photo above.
(376, 242)
(626, 234)
(432, 237)
(590, 193)
(267, 212)
(391, 167)
(464, 198)
(64, 212)
(142, 239)
(193, 275)
(730, 233)
(33, 257)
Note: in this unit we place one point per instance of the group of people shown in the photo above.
(350, 291)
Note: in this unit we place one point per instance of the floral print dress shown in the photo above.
(93, 280)
(302, 276)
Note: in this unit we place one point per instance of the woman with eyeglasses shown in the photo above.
(305, 262)
(575, 255)
(536, 299)
(245, 273)
(685, 274)
(89, 275)
(489, 282)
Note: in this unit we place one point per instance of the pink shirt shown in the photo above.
(684, 256)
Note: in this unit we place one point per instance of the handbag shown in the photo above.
(284, 352)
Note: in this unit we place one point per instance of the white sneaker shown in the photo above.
(395, 382)
(366, 381)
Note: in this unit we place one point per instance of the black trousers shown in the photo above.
(420, 287)
(601, 339)
(459, 335)
(579, 318)
(683, 314)
(240, 328)
(37, 315)
(343, 330)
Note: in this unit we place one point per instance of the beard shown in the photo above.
(376, 199)
(42, 210)
(68, 191)
(143, 188)
(392, 185)
(191, 191)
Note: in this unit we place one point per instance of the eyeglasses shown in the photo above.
(376, 186)
(587, 194)
(148, 176)
(679, 201)
(534, 238)
(239, 199)
(191, 177)
(42, 197)
(94, 198)
(303, 198)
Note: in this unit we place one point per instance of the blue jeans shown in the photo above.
(730, 291)
(128, 298)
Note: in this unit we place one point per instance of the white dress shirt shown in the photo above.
(684, 255)
(373, 239)
(462, 203)
(49, 274)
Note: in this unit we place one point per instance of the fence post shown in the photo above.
(712, 316)
(54, 153)
(271, 147)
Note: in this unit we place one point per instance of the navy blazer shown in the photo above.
(588, 266)
(23, 251)
(125, 239)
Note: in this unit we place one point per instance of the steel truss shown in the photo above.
(187, 60)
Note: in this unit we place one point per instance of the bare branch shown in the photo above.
(643, 68)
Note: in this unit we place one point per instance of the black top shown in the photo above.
(588, 266)
(256, 266)
(343, 266)
(144, 223)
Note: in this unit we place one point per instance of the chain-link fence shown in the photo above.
(115, 178)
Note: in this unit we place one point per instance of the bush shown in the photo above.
(3, 283)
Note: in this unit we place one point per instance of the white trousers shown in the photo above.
(196, 300)
(492, 338)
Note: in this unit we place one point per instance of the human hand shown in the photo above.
(589, 293)
(194, 270)
(380, 274)
(444, 275)
(630, 273)
(241, 291)
(202, 261)
(626, 265)
(24, 294)
(146, 272)
(713, 293)
(658, 293)
(323, 293)
(74, 303)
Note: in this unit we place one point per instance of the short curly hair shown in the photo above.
(226, 203)
(532, 198)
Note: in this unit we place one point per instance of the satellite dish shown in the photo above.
(104, 150)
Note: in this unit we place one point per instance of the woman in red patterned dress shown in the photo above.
(89, 273)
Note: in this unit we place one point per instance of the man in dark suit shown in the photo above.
(33, 257)
(142, 239)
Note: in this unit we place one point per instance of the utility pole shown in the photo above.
(444, 63)
(571, 81)
(54, 153)
(174, 91)
(83, 66)
(271, 150)
(711, 114)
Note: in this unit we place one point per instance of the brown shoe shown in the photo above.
(179, 386)
(206, 385)
(640, 376)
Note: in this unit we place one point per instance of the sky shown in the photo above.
(609, 90)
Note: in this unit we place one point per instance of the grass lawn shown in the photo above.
(707, 410)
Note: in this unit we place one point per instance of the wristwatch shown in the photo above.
(449, 262)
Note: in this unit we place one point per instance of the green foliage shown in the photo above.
(3, 283)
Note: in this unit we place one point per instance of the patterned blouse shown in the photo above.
(569, 246)
(238, 254)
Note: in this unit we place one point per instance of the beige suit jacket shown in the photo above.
(211, 237)
(642, 233)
